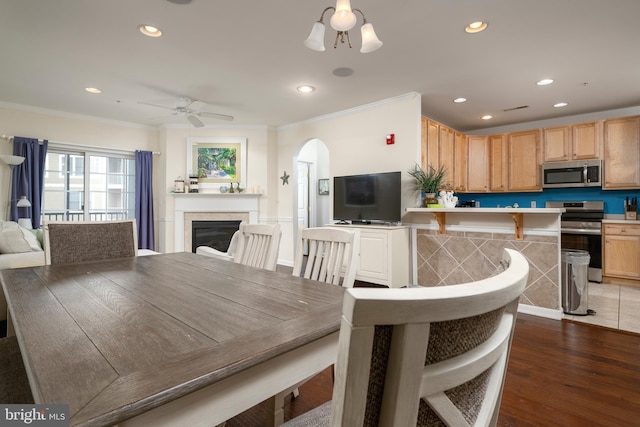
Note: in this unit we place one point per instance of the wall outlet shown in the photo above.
(533, 203)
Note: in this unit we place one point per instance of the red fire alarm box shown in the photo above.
(391, 138)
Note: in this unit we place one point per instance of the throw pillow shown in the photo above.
(15, 239)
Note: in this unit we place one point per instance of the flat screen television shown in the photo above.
(366, 199)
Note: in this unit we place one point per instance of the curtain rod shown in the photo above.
(74, 146)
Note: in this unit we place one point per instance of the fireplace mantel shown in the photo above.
(219, 205)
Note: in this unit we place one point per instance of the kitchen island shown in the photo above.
(457, 245)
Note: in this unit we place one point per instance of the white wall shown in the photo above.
(356, 140)
(260, 169)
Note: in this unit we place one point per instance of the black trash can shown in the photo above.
(575, 282)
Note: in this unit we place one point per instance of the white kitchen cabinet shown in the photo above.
(384, 254)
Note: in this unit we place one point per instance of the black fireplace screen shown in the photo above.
(215, 234)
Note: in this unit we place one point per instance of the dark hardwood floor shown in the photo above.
(560, 373)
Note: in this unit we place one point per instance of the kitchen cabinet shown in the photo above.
(524, 157)
(438, 148)
(622, 153)
(477, 164)
(621, 250)
(576, 142)
(586, 140)
(384, 254)
(557, 143)
(460, 162)
(446, 154)
(430, 146)
(497, 163)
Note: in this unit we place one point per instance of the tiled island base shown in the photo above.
(462, 256)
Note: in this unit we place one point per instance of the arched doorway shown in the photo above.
(310, 163)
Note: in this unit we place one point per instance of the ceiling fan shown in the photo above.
(190, 109)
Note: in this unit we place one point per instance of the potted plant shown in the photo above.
(427, 182)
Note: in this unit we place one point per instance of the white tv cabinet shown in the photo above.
(384, 254)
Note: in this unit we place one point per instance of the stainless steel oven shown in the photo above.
(581, 228)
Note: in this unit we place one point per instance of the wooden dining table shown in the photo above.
(172, 339)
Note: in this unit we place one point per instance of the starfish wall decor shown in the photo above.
(285, 178)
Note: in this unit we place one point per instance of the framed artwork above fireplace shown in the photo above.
(217, 161)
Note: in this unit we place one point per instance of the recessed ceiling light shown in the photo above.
(306, 89)
(150, 30)
(487, 117)
(459, 100)
(560, 104)
(544, 82)
(92, 90)
(476, 27)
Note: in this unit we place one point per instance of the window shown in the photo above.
(83, 186)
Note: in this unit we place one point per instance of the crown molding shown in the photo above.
(349, 111)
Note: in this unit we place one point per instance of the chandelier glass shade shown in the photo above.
(342, 20)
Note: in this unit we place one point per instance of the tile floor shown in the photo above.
(616, 307)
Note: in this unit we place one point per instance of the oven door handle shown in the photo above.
(588, 231)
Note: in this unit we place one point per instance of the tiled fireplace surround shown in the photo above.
(211, 207)
(460, 256)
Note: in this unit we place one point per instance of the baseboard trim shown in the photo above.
(549, 313)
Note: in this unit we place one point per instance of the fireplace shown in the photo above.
(191, 207)
(215, 234)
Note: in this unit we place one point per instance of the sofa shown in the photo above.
(19, 247)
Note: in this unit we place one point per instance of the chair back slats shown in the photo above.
(333, 255)
(68, 242)
(258, 245)
(417, 356)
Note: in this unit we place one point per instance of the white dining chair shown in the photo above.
(258, 245)
(333, 257)
(230, 253)
(425, 355)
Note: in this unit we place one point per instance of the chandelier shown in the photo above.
(342, 21)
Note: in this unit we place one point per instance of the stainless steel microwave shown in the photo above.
(586, 173)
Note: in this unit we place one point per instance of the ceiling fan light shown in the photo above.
(343, 19)
(370, 41)
(315, 41)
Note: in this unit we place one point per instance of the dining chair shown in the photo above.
(258, 245)
(70, 241)
(14, 384)
(229, 255)
(333, 257)
(424, 355)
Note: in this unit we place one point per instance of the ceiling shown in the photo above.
(245, 58)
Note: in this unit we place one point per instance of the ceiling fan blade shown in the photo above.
(216, 116)
(195, 121)
(196, 105)
(156, 105)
